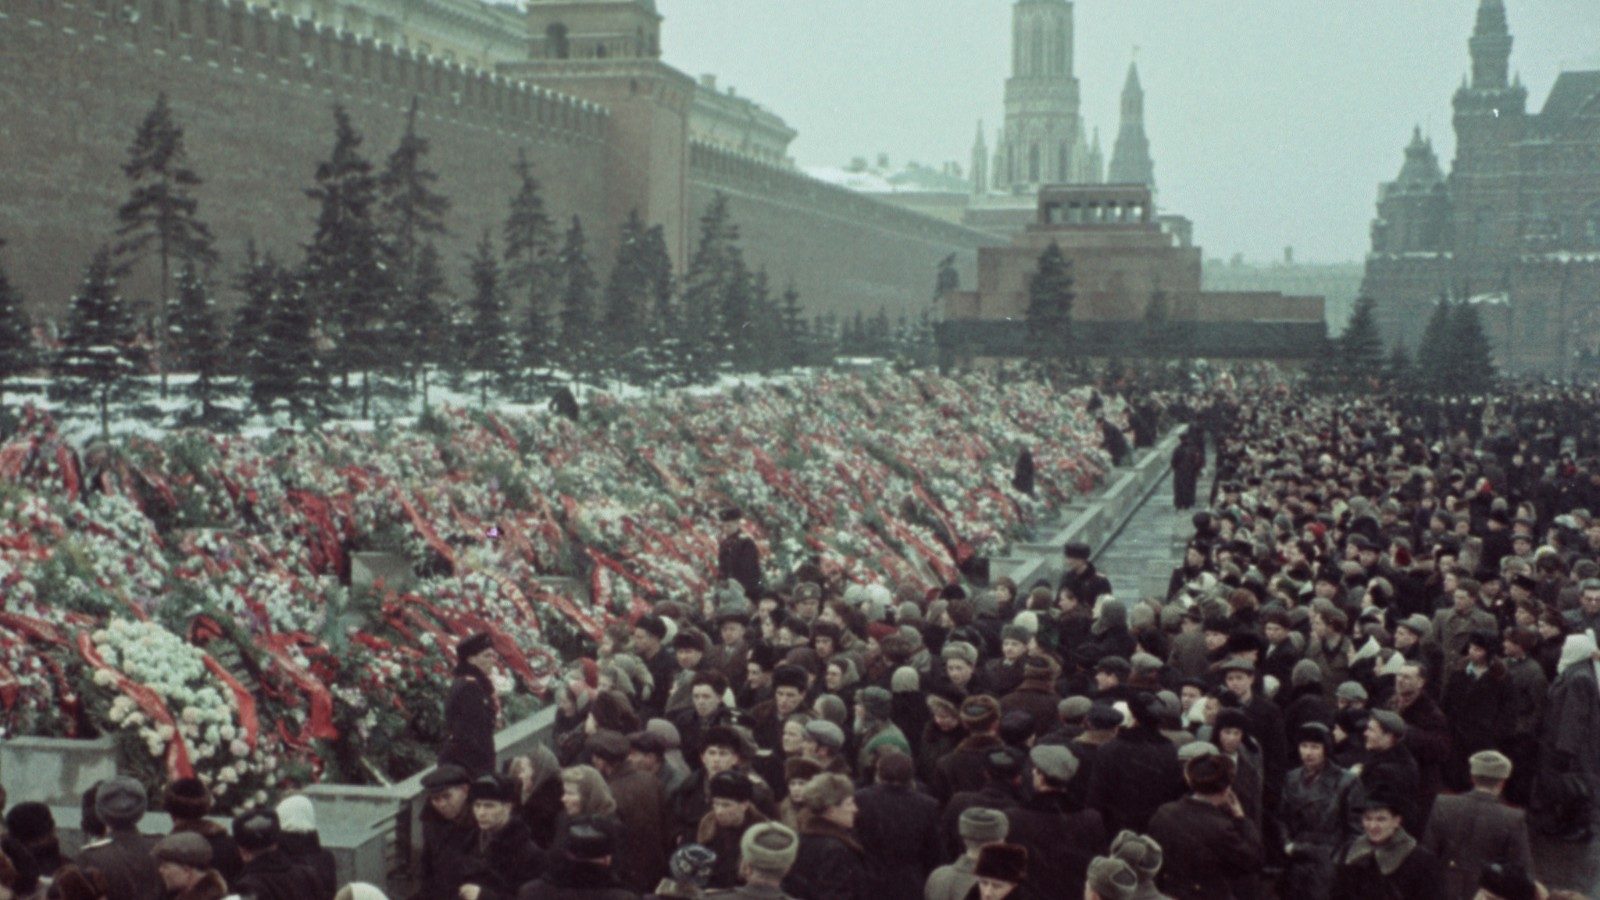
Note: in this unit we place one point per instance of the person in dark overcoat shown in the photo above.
(1207, 841)
(448, 828)
(1036, 695)
(831, 863)
(1571, 732)
(1477, 702)
(471, 709)
(722, 829)
(1137, 771)
(502, 856)
(898, 828)
(123, 856)
(1313, 814)
(738, 557)
(642, 808)
(1062, 837)
(268, 874)
(1188, 459)
(581, 869)
(1386, 861)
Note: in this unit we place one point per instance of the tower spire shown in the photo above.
(1130, 158)
(1490, 46)
(980, 162)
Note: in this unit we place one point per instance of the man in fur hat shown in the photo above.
(188, 802)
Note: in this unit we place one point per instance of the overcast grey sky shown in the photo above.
(1271, 121)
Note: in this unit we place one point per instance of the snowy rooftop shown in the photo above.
(912, 178)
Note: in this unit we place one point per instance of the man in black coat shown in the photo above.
(1062, 837)
(581, 869)
(1136, 771)
(471, 708)
(448, 828)
(898, 827)
(738, 558)
(1209, 846)
(502, 856)
(1082, 578)
(188, 802)
(648, 635)
(1390, 770)
(268, 874)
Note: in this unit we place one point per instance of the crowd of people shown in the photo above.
(1372, 675)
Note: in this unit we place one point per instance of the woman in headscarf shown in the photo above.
(1567, 760)
(538, 777)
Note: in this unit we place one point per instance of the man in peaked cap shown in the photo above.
(1061, 835)
(738, 557)
(1468, 831)
(124, 858)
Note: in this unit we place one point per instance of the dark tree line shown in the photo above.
(366, 311)
(1454, 357)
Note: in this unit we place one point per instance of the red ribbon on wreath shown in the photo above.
(177, 756)
(320, 725)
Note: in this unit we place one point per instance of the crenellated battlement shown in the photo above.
(254, 40)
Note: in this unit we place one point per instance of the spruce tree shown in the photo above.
(713, 269)
(345, 272)
(17, 356)
(1472, 357)
(795, 337)
(661, 328)
(161, 215)
(198, 344)
(530, 264)
(489, 349)
(98, 359)
(423, 327)
(1398, 372)
(736, 336)
(1433, 369)
(1049, 317)
(766, 349)
(410, 210)
(577, 299)
(627, 297)
(1360, 348)
(288, 368)
(257, 282)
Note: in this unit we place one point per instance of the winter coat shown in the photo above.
(738, 558)
(541, 809)
(305, 850)
(1572, 724)
(570, 879)
(641, 860)
(1279, 662)
(1062, 840)
(962, 768)
(1037, 698)
(1428, 737)
(1313, 816)
(750, 892)
(1451, 628)
(1470, 831)
(1187, 657)
(469, 720)
(725, 843)
(935, 745)
(225, 856)
(500, 865)
(993, 795)
(444, 844)
(1087, 585)
(1134, 774)
(1529, 688)
(1478, 708)
(1392, 771)
(1204, 849)
(830, 864)
(124, 858)
(271, 876)
(1402, 870)
(898, 828)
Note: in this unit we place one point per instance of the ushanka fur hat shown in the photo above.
(1003, 862)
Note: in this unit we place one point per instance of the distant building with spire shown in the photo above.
(1513, 226)
(1130, 158)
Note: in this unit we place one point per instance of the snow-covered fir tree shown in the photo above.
(345, 271)
(99, 359)
(490, 351)
(197, 341)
